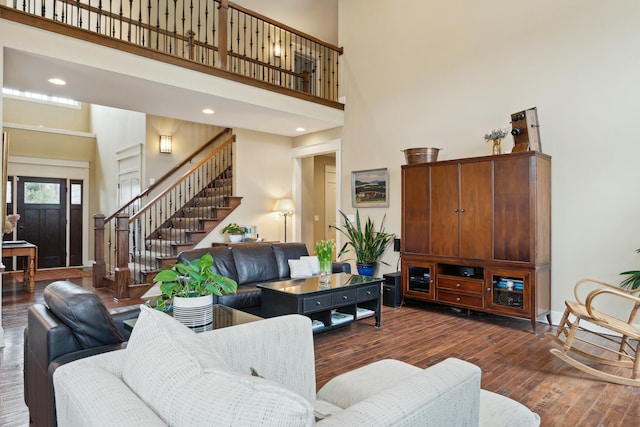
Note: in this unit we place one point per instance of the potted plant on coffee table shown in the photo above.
(367, 243)
(235, 232)
(189, 289)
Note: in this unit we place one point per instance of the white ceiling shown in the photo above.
(252, 108)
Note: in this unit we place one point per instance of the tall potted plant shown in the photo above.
(633, 281)
(189, 289)
(367, 243)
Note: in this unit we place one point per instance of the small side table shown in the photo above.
(29, 250)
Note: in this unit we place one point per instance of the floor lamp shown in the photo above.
(285, 208)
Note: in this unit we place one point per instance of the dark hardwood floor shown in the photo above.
(514, 361)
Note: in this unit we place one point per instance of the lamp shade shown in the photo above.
(284, 206)
(165, 143)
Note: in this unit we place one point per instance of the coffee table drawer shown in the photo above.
(343, 297)
(369, 292)
(319, 302)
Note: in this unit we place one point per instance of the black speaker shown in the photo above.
(391, 289)
(396, 245)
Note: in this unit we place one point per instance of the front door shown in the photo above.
(42, 209)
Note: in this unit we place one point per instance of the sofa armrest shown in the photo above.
(120, 314)
(340, 267)
(447, 393)
(279, 349)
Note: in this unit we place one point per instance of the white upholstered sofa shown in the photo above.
(263, 374)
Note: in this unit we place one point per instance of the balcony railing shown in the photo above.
(216, 34)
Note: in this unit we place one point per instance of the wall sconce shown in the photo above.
(285, 208)
(165, 143)
(276, 50)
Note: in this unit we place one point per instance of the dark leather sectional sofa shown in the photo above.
(250, 264)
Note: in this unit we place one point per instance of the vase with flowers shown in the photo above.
(496, 136)
(324, 252)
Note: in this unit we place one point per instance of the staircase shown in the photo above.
(133, 244)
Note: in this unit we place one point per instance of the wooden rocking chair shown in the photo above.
(621, 337)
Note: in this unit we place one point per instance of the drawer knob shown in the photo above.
(458, 299)
(344, 297)
(458, 285)
(318, 303)
(368, 292)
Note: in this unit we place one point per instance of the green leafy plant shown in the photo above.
(633, 281)
(234, 228)
(194, 279)
(367, 244)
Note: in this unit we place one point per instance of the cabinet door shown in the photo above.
(509, 292)
(476, 210)
(418, 279)
(415, 210)
(445, 210)
(513, 210)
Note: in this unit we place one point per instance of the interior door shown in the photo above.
(42, 209)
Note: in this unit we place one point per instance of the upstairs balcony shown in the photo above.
(215, 37)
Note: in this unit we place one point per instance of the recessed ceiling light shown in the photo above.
(208, 111)
(300, 129)
(57, 81)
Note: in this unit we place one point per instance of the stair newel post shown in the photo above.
(99, 266)
(122, 273)
(223, 16)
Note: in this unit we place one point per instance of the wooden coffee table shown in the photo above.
(346, 299)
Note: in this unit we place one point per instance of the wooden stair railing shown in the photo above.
(132, 244)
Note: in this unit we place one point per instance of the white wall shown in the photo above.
(317, 18)
(114, 129)
(264, 166)
(441, 74)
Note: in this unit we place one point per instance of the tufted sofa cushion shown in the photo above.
(286, 251)
(223, 262)
(82, 312)
(255, 263)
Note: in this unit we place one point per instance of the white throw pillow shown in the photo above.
(162, 354)
(313, 262)
(181, 377)
(299, 269)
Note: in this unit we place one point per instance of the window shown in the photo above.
(41, 193)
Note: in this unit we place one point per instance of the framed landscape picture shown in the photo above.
(369, 188)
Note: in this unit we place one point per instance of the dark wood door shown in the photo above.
(476, 210)
(445, 230)
(42, 209)
(513, 209)
(415, 209)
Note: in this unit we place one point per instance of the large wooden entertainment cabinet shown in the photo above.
(476, 234)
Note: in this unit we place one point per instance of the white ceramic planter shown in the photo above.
(196, 312)
(235, 238)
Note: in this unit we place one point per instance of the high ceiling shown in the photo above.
(235, 105)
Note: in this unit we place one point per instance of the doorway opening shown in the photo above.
(316, 191)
